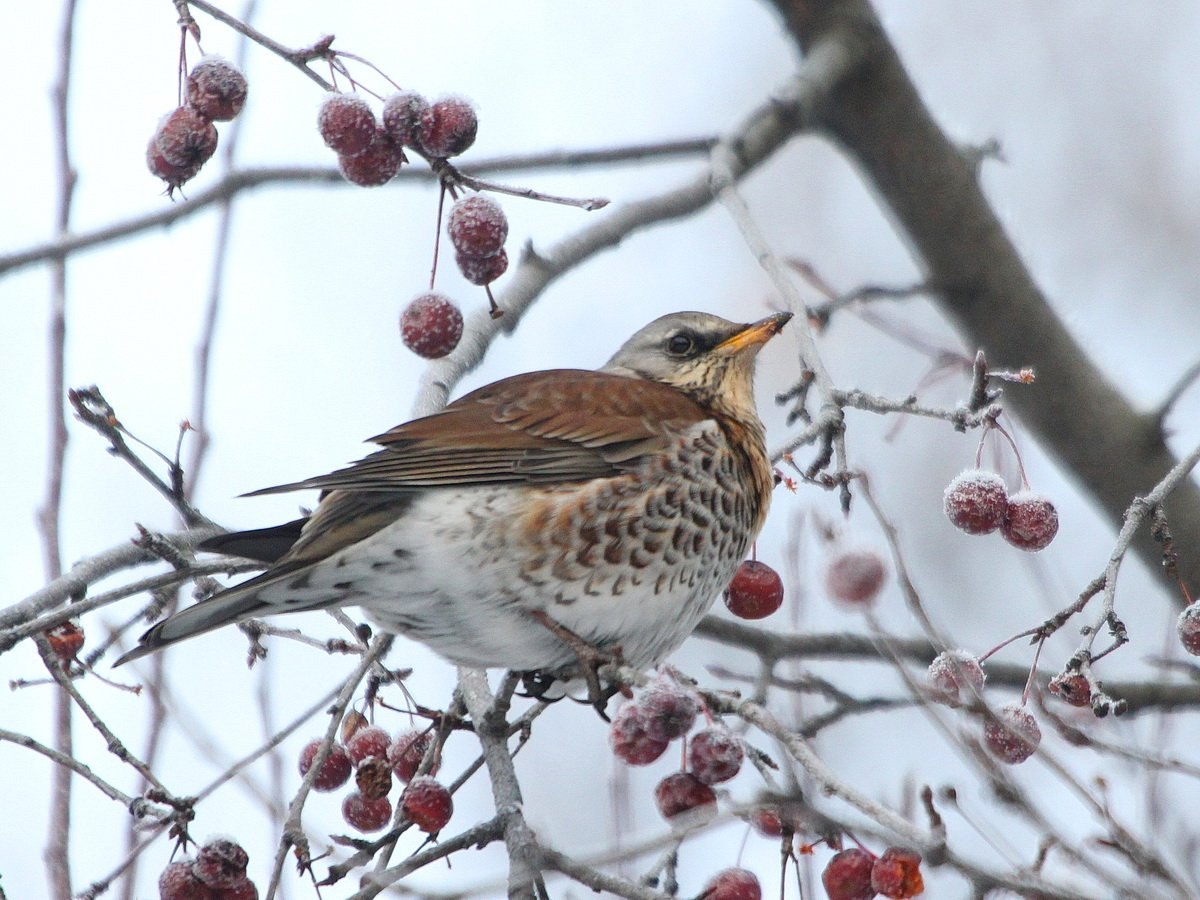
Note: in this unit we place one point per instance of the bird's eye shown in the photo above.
(680, 344)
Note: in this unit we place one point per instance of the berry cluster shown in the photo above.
(375, 757)
(956, 678)
(855, 576)
(978, 502)
(755, 591)
(478, 228)
(187, 138)
(857, 874)
(217, 873)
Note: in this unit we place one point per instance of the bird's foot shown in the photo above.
(591, 660)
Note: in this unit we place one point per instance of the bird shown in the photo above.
(539, 517)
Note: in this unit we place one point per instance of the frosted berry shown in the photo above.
(369, 741)
(216, 89)
(975, 501)
(755, 591)
(427, 804)
(1072, 688)
(346, 123)
(1030, 521)
(431, 325)
(1013, 736)
(220, 863)
(629, 739)
(185, 138)
(376, 165)
(685, 800)
(955, 677)
(1188, 629)
(242, 889)
(855, 576)
(402, 116)
(477, 226)
(897, 874)
(374, 777)
(407, 751)
(447, 127)
(732, 884)
(669, 711)
(334, 772)
(174, 176)
(366, 815)
(715, 755)
(178, 882)
(66, 640)
(767, 821)
(847, 875)
(482, 270)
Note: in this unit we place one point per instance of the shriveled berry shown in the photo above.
(66, 640)
(335, 771)
(767, 821)
(715, 755)
(482, 270)
(669, 711)
(369, 741)
(402, 116)
(897, 874)
(216, 88)
(955, 677)
(447, 127)
(220, 863)
(431, 325)
(366, 815)
(1188, 629)
(755, 591)
(684, 800)
(1030, 521)
(629, 739)
(407, 751)
(847, 876)
(975, 501)
(178, 882)
(374, 777)
(855, 576)
(376, 165)
(732, 884)
(1013, 736)
(427, 803)
(174, 176)
(185, 138)
(477, 226)
(1072, 688)
(242, 889)
(346, 123)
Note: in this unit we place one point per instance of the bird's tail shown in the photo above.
(234, 605)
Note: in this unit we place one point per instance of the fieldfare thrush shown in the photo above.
(537, 515)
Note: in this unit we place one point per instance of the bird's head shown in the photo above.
(706, 357)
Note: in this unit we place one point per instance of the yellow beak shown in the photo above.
(754, 335)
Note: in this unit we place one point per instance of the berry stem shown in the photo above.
(1037, 655)
(437, 233)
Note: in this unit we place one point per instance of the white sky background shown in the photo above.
(1095, 105)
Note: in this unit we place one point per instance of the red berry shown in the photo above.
(897, 874)
(669, 711)
(629, 739)
(1013, 735)
(1030, 521)
(178, 882)
(482, 270)
(66, 640)
(174, 176)
(684, 800)
(955, 677)
(243, 889)
(1188, 629)
(366, 815)
(216, 89)
(855, 576)
(755, 592)
(185, 138)
(427, 804)
(374, 166)
(369, 741)
(975, 501)
(732, 884)
(767, 821)
(407, 751)
(346, 123)
(334, 772)
(402, 116)
(847, 875)
(220, 863)
(477, 226)
(1072, 688)
(715, 755)
(431, 325)
(447, 127)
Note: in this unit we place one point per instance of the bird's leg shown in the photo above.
(590, 659)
